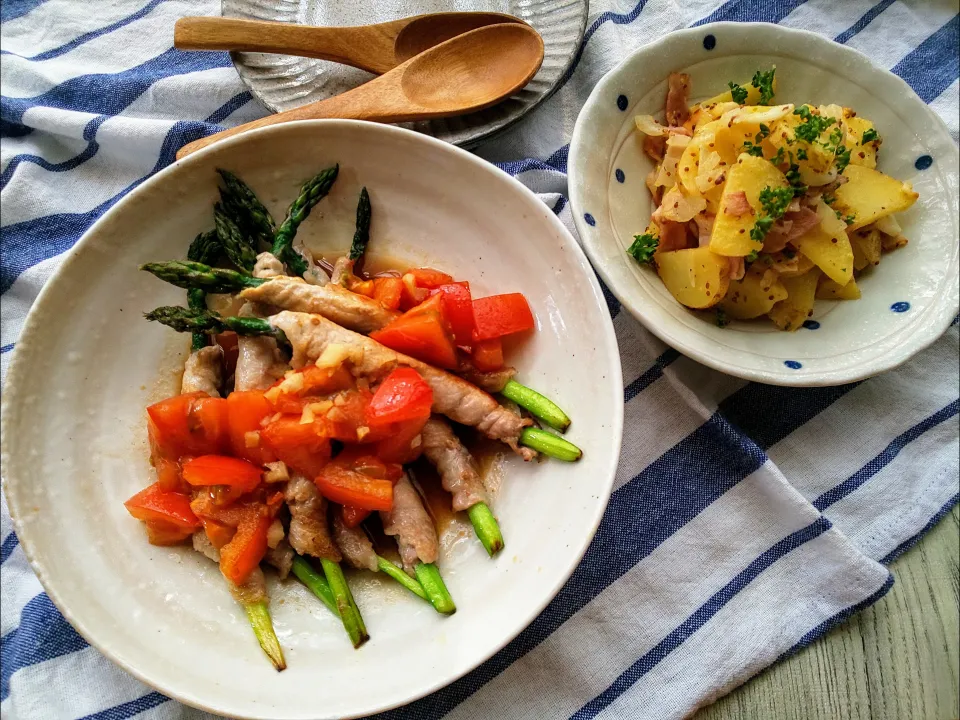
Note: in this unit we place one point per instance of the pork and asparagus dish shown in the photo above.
(312, 393)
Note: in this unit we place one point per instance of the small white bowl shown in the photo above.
(908, 300)
(87, 364)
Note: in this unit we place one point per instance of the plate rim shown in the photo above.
(579, 148)
(475, 140)
(9, 404)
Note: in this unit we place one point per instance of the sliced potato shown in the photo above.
(860, 153)
(866, 247)
(790, 313)
(696, 277)
(870, 195)
(750, 175)
(827, 289)
(753, 295)
(688, 166)
(828, 246)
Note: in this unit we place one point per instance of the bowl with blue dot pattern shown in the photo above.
(907, 301)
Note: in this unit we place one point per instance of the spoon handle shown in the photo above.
(380, 100)
(368, 47)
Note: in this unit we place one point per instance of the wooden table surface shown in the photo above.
(897, 660)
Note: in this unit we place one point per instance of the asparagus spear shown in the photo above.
(235, 245)
(204, 249)
(316, 582)
(184, 320)
(436, 590)
(196, 275)
(486, 527)
(536, 404)
(550, 445)
(312, 192)
(362, 235)
(346, 605)
(397, 573)
(251, 214)
(259, 616)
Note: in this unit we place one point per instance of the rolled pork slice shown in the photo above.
(340, 305)
(258, 359)
(354, 545)
(309, 532)
(280, 558)
(203, 371)
(454, 464)
(310, 335)
(410, 523)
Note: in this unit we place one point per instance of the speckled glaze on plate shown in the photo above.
(908, 301)
(282, 82)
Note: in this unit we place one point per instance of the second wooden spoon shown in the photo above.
(467, 73)
(376, 48)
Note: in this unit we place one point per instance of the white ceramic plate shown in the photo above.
(282, 82)
(86, 365)
(908, 300)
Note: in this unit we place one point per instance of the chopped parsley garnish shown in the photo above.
(801, 154)
(833, 142)
(869, 135)
(829, 199)
(850, 219)
(774, 204)
(738, 93)
(843, 158)
(763, 81)
(793, 177)
(812, 126)
(753, 148)
(778, 158)
(752, 256)
(643, 247)
(722, 320)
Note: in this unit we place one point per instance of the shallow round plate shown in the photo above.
(86, 365)
(908, 300)
(282, 82)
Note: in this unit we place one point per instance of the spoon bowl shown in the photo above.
(467, 73)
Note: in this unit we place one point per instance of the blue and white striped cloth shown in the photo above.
(747, 520)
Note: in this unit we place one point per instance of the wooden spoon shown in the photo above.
(466, 73)
(375, 48)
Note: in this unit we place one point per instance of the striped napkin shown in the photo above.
(747, 520)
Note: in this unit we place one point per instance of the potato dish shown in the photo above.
(764, 208)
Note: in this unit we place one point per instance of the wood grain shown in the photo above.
(897, 660)
(467, 73)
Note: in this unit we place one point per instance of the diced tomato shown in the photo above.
(230, 345)
(458, 311)
(401, 446)
(153, 504)
(191, 424)
(169, 476)
(500, 315)
(362, 287)
(240, 556)
(411, 294)
(487, 355)
(388, 290)
(361, 459)
(353, 516)
(217, 533)
(307, 382)
(222, 470)
(421, 333)
(349, 487)
(160, 532)
(430, 278)
(302, 446)
(246, 411)
(403, 395)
